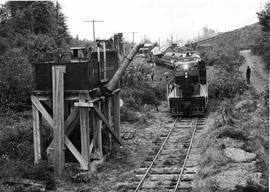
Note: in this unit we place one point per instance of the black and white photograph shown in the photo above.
(134, 95)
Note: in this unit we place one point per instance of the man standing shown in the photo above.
(248, 75)
(152, 76)
(166, 74)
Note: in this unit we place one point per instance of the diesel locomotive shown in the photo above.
(187, 91)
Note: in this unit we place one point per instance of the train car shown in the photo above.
(187, 92)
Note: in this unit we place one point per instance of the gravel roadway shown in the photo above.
(259, 76)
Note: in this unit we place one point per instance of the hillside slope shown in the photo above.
(242, 38)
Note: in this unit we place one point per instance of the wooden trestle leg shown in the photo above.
(58, 118)
(97, 134)
(36, 134)
(85, 136)
(116, 112)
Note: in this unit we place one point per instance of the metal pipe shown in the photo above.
(119, 73)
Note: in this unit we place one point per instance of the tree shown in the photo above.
(207, 32)
(28, 30)
(263, 40)
(62, 35)
(44, 20)
(17, 6)
(264, 17)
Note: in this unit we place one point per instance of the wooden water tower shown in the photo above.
(79, 94)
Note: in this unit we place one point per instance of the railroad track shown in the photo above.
(167, 169)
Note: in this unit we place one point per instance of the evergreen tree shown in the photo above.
(62, 28)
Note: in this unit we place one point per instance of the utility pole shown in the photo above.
(94, 37)
(159, 43)
(133, 32)
(132, 69)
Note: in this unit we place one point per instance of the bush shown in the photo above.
(15, 81)
(145, 95)
(129, 100)
(225, 55)
(128, 115)
(139, 70)
(17, 143)
(262, 48)
(135, 98)
(160, 92)
(226, 85)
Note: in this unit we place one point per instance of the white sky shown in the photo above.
(157, 18)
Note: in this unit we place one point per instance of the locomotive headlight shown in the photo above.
(185, 67)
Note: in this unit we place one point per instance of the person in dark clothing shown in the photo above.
(152, 76)
(248, 75)
(166, 75)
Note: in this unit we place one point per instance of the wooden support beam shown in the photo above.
(116, 112)
(42, 110)
(108, 126)
(43, 97)
(58, 118)
(108, 112)
(84, 126)
(76, 153)
(116, 91)
(83, 104)
(48, 106)
(70, 123)
(36, 134)
(97, 139)
(91, 147)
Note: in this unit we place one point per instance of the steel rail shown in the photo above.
(149, 168)
(187, 155)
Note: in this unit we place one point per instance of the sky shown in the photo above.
(157, 19)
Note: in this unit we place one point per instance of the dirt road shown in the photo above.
(259, 77)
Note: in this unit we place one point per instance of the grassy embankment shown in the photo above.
(240, 121)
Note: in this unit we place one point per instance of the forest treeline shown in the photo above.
(27, 29)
